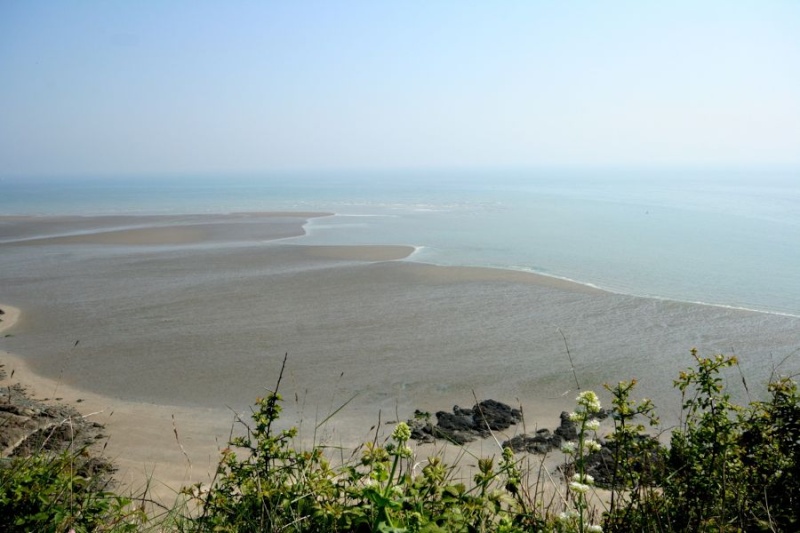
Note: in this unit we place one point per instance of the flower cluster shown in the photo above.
(581, 483)
(588, 402)
(584, 416)
(401, 434)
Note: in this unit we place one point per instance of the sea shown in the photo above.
(718, 237)
(684, 257)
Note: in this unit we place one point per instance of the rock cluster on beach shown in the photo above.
(28, 426)
(466, 425)
(545, 440)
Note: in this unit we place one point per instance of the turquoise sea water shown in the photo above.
(729, 238)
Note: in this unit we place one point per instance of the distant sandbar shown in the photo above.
(154, 230)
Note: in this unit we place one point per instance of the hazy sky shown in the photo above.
(122, 87)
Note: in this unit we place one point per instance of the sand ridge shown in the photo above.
(153, 230)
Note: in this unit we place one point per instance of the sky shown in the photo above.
(120, 87)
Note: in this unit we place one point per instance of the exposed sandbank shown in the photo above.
(125, 230)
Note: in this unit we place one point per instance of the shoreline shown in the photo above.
(565, 282)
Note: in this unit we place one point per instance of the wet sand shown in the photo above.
(186, 316)
(152, 230)
(161, 448)
(8, 318)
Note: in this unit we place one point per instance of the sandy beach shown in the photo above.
(160, 446)
(152, 325)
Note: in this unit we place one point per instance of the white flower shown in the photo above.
(566, 516)
(568, 447)
(576, 417)
(592, 445)
(585, 478)
(594, 528)
(589, 400)
(580, 488)
(593, 424)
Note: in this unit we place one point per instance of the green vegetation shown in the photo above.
(44, 492)
(727, 468)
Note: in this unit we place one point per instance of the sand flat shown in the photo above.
(359, 253)
(152, 229)
(131, 237)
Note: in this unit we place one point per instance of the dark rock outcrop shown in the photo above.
(31, 426)
(544, 441)
(464, 425)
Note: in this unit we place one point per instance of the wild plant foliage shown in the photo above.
(52, 493)
(268, 485)
(727, 468)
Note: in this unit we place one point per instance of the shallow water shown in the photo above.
(729, 238)
(203, 324)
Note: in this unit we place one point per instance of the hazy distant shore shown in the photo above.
(189, 315)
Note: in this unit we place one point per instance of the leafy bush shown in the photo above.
(729, 467)
(45, 492)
